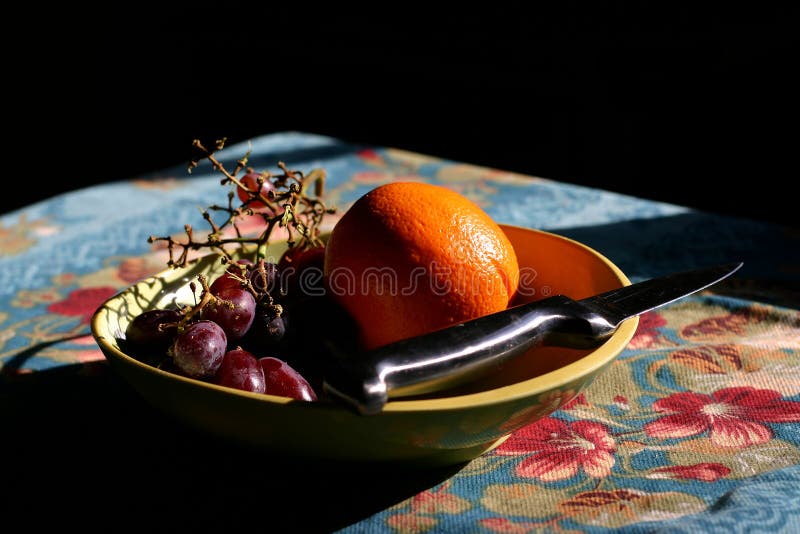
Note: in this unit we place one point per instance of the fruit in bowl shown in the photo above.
(216, 339)
(408, 258)
(245, 402)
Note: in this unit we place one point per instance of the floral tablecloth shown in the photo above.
(695, 428)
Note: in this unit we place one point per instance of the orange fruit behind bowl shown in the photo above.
(409, 258)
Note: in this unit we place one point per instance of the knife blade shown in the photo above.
(465, 351)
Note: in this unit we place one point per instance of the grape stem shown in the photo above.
(205, 297)
(288, 204)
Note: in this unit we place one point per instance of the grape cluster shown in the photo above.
(260, 326)
(250, 329)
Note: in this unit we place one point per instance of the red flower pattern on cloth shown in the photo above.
(647, 331)
(576, 402)
(82, 302)
(734, 417)
(370, 155)
(704, 472)
(506, 526)
(558, 450)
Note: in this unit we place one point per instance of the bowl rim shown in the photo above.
(586, 365)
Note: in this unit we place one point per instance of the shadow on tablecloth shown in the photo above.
(85, 451)
(645, 248)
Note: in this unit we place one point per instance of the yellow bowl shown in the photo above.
(448, 428)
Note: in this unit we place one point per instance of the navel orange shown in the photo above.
(409, 258)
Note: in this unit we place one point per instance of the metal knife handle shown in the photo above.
(461, 353)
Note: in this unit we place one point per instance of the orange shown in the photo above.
(408, 258)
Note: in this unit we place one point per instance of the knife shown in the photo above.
(465, 351)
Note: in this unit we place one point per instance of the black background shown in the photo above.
(696, 106)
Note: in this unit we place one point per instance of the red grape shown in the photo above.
(301, 270)
(153, 329)
(250, 181)
(267, 329)
(283, 380)
(227, 279)
(241, 370)
(234, 312)
(199, 349)
(264, 277)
